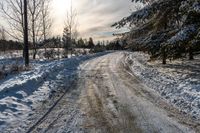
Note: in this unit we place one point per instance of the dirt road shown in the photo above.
(107, 98)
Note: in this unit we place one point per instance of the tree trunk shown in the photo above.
(44, 33)
(23, 53)
(26, 47)
(191, 55)
(34, 42)
(4, 48)
(164, 56)
(34, 54)
(34, 51)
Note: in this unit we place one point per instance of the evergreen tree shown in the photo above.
(164, 28)
(80, 43)
(66, 39)
(90, 43)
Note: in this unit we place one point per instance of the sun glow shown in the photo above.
(59, 11)
(61, 6)
(94, 16)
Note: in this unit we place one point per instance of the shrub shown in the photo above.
(2, 75)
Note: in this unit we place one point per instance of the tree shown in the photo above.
(90, 43)
(46, 20)
(13, 13)
(40, 22)
(168, 26)
(35, 8)
(66, 39)
(3, 39)
(71, 26)
(26, 48)
(38, 14)
(81, 43)
(2, 34)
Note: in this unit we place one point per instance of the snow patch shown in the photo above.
(178, 82)
(21, 93)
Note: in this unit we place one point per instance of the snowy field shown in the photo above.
(10, 54)
(21, 93)
(40, 53)
(178, 81)
(12, 61)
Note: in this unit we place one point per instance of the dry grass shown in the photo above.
(12, 69)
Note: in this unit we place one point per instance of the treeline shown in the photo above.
(10, 45)
(166, 29)
(56, 42)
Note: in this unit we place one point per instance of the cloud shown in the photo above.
(96, 16)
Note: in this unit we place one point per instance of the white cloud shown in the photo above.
(95, 16)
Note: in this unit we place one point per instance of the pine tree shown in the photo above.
(90, 43)
(169, 26)
(80, 43)
(66, 39)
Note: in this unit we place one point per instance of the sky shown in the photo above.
(95, 17)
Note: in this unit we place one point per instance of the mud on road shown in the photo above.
(116, 101)
(108, 98)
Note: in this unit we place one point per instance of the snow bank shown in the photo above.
(178, 82)
(21, 93)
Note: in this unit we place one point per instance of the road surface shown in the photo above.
(107, 98)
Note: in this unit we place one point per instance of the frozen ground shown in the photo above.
(178, 81)
(40, 53)
(10, 54)
(95, 93)
(21, 93)
(115, 101)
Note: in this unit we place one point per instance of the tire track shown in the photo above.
(128, 101)
(34, 126)
(111, 100)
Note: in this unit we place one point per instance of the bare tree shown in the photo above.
(39, 19)
(41, 22)
(2, 33)
(71, 26)
(3, 38)
(35, 8)
(13, 14)
(46, 20)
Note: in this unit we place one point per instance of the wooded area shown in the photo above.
(166, 29)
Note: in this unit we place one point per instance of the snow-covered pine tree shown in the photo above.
(164, 28)
(187, 36)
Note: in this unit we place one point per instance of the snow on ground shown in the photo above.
(13, 54)
(10, 54)
(178, 82)
(21, 93)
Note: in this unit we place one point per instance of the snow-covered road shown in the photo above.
(116, 101)
(105, 96)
